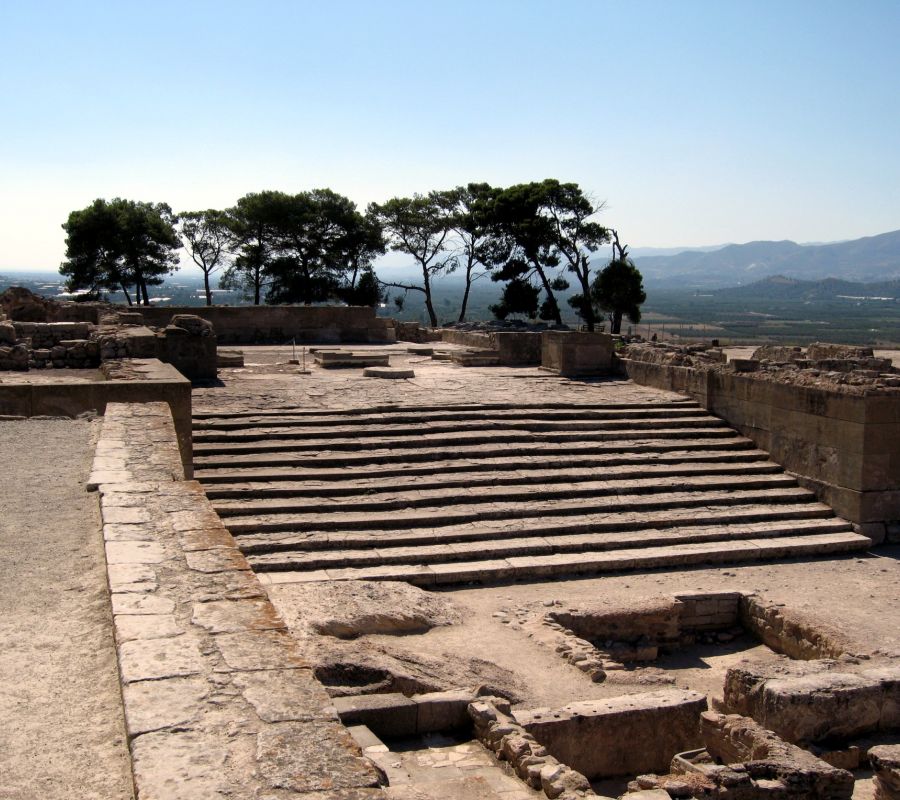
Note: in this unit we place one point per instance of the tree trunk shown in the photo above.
(616, 322)
(588, 307)
(465, 299)
(127, 296)
(144, 290)
(426, 284)
(206, 287)
(557, 317)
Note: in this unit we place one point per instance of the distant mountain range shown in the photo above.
(779, 287)
(872, 259)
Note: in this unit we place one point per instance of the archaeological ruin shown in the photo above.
(343, 558)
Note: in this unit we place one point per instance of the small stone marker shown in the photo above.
(388, 372)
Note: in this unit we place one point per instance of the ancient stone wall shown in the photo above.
(52, 333)
(502, 734)
(23, 305)
(738, 740)
(806, 702)
(790, 631)
(514, 348)
(598, 737)
(841, 441)
(129, 381)
(280, 324)
(885, 761)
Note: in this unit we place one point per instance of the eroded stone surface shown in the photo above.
(357, 608)
(146, 626)
(228, 616)
(260, 650)
(189, 765)
(152, 705)
(284, 695)
(151, 659)
(312, 756)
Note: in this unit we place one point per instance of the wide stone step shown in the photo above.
(487, 440)
(495, 429)
(537, 545)
(441, 515)
(248, 476)
(461, 418)
(497, 530)
(590, 562)
(546, 451)
(300, 442)
(200, 414)
(456, 497)
(254, 490)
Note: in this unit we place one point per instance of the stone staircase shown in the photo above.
(486, 492)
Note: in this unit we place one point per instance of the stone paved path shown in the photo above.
(62, 733)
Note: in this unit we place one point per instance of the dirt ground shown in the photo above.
(859, 595)
(62, 733)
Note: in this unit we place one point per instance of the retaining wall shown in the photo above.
(134, 381)
(255, 324)
(843, 446)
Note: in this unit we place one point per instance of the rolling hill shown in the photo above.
(868, 260)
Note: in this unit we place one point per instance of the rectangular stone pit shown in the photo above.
(600, 639)
(625, 735)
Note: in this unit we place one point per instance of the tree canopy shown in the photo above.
(618, 288)
(117, 244)
(308, 247)
(541, 230)
(473, 221)
(316, 246)
(323, 245)
(420, 226)
(207, 239)
(254, 222)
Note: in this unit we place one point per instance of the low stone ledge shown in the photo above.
(219, 699)
(137, 443)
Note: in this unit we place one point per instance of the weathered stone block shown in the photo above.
(442, 711)
(388, 715)
(597, 738)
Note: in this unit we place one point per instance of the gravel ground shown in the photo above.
(62, 731)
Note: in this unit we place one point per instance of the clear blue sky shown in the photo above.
(698, 122)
